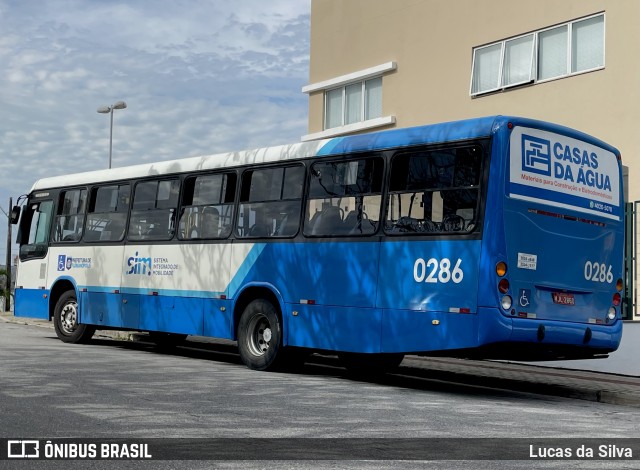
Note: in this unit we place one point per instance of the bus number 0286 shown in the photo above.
(435, 270)
(598, 272)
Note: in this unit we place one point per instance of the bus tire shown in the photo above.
(370, 364)
(65, 320)
(260, 336)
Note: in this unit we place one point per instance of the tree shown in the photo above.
(5, 290)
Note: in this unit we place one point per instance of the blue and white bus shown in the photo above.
(499, 236)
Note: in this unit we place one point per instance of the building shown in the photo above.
(381, 64)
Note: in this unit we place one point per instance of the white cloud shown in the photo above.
(198, 76)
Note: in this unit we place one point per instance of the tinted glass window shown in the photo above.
(207, 207)
(70, 216)
(107, 217)
(344, 198)
(154, 210)
(270, 202)
(434, 191)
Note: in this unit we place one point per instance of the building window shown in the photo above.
(353, 103)
(570, 48)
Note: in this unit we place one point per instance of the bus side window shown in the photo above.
(434, 191)
(154, 208)
(207, 207)
(344, 198)
(270, 202)
(107, 215)
(70, 216)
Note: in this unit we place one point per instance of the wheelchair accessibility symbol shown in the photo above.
(523, 297)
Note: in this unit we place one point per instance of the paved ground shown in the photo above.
(614, 380)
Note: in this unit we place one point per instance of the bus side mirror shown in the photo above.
(15, 214)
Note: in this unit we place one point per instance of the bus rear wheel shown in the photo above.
(260, 336)
(65, 320)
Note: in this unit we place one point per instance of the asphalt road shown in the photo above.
(123, 390)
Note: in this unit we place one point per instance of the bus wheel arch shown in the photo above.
(64, 310)
(57, 290)
(250, 294)
(259, 329)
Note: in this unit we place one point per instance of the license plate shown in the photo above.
(563, 298)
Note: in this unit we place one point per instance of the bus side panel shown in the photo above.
(171, 314)
(174, 285)
(218, 318)
(102, 309)
(330, 284)
(326, 272)
(32, 296)
(411, 331)
(32, 303)
(334, 328)
(434, 276)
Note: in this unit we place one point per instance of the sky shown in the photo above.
(198, 77)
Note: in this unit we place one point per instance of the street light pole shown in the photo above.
(7, 301)
(109, 109)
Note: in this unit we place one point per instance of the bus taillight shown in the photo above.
(619, 285)
(617, 298)
(503, 286)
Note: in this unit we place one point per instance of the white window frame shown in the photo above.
(343, 111)
(533, 75)
(360, 76)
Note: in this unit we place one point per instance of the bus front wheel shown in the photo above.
(260, 336)
(65, 320)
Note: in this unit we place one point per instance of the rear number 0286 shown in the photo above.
(598, 272)
(435, 270)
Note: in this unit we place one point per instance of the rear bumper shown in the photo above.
(545, 339)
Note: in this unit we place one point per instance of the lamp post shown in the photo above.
(109, 110)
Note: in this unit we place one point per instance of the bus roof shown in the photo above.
(403, 137)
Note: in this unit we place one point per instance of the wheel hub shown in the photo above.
(69, 317)
(267, 335)
(260, 337)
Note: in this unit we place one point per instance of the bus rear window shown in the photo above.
(434, 191)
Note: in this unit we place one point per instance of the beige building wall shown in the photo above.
(431, 43)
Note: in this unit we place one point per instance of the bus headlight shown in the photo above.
(506, 302)
(612, 313)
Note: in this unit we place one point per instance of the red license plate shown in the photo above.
(563, 298)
